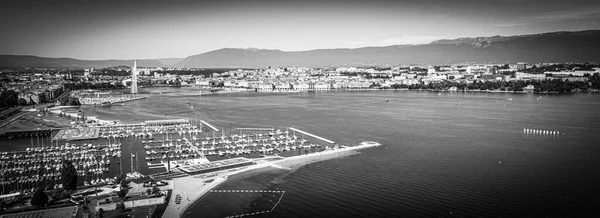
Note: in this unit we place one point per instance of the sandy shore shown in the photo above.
(190, 189)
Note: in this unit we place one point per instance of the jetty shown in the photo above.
(256, 129)
(249, 129)
(210, 126)
(312, 135)
(166, 122)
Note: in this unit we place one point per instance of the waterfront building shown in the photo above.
(521, 66)
(216, 165)
(203, 82)
(242, 84)
(529, 88)
(265, 86)
(529, 76)
(283, 86)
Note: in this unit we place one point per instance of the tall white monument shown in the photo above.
(134, 88)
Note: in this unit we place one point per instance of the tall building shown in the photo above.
(134, 88)
(521, 66)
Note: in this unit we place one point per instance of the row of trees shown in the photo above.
(552, 86)
(560, 67)
(86, 85)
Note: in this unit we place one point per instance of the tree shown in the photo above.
(123, 193)
(121, 179)
(9, 98)
(149, 191)
(22, 102)
(69, 175)
(100, 212)
(86, 209)
(155, 191)
(39, 198)
(121, 207)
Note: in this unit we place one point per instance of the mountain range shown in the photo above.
(545, 47)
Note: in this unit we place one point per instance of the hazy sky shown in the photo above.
(119, 29)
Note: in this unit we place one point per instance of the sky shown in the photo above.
(144, 29)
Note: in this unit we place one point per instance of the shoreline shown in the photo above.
(223, 175)
(274, 92)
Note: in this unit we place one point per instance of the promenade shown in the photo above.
(190, 189)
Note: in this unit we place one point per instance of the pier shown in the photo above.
(166, 122)
(257, 129)
(314, 136)
(210, 126)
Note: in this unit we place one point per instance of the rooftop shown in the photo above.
(215, 164)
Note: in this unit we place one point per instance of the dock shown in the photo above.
(165, 122)
(257, 129)
(312, 135)
(210, 126)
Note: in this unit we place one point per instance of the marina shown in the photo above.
(24, 170)
(392, 127)
(172, 147)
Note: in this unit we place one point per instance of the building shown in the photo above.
(529, 88)
(529, 76)
(216, 165)
(301, 86)
(521, 66)
(491, 70)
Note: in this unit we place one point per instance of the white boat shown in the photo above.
(369, 143)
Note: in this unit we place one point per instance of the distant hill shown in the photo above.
(34, 61)
(545, 47)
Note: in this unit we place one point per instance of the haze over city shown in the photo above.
(161, 29)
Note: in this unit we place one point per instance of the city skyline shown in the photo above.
(156, 29)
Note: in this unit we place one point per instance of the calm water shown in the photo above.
(448, 155)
